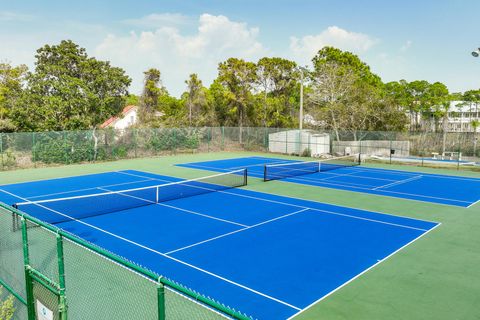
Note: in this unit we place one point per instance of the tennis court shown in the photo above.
(269, 256)
(347, 175)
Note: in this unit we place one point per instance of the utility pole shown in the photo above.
(300, 126)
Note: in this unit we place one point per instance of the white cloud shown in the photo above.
(406, 46)
(304, 49)
(158, 20)
(12, 16)
(177, 55)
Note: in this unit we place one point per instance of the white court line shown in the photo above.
(389, 191)
(237, 231)
(163, 254)
(180, 209)
(361, 273)
(306, 177)
(473, 203)
(320, 202)
(138, 176)
(398, 182)
(204, 168)
(314, 209)
(223, 192)
(427, 174)
(59, 178)
(86, 189)
(353, 174)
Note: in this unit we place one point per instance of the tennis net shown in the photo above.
(293, 169)
(61, 210)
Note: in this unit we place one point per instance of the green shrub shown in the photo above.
(8, 158)
(7, 308)
(63, 150)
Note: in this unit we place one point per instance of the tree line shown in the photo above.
(68, 90)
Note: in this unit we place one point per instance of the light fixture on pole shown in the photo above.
(476, 53)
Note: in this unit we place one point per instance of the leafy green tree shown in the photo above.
(439, 104)
(418, 100)
(11, 87)
(132, 100)
(157, 107)
(472, 98)
(196, 102)
(346, 61)
(330, 86)
(152, 91)
(239, 77)
(277, 78)
(69, 91)
(346, 95)
(220, 98)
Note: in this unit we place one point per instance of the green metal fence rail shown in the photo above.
(56, 274)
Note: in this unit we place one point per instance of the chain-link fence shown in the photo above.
(49, 272)
(33, 149)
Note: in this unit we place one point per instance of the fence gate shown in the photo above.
(45, 297)
(45, 300)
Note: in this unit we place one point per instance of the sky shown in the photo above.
(411, 40)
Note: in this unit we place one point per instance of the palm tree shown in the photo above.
(475, 124)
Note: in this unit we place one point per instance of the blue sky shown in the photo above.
(410, 40)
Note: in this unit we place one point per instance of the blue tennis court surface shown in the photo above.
(435, 188)
(269, 256)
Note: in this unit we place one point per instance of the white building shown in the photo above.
(461, 115)
(127, 118)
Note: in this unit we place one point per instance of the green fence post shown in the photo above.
(65, 146)
(1, 148)
(26, 262)
(174, 143)
(223, 138)
(209, 137)
(34, 158)
(265, 135)
(161, 299)
(134, 133)
(61, 278)
(458, 156)
(391, 150)
(360, 150)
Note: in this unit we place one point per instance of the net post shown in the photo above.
(265, 173)
(245, 177)
(157, 195)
